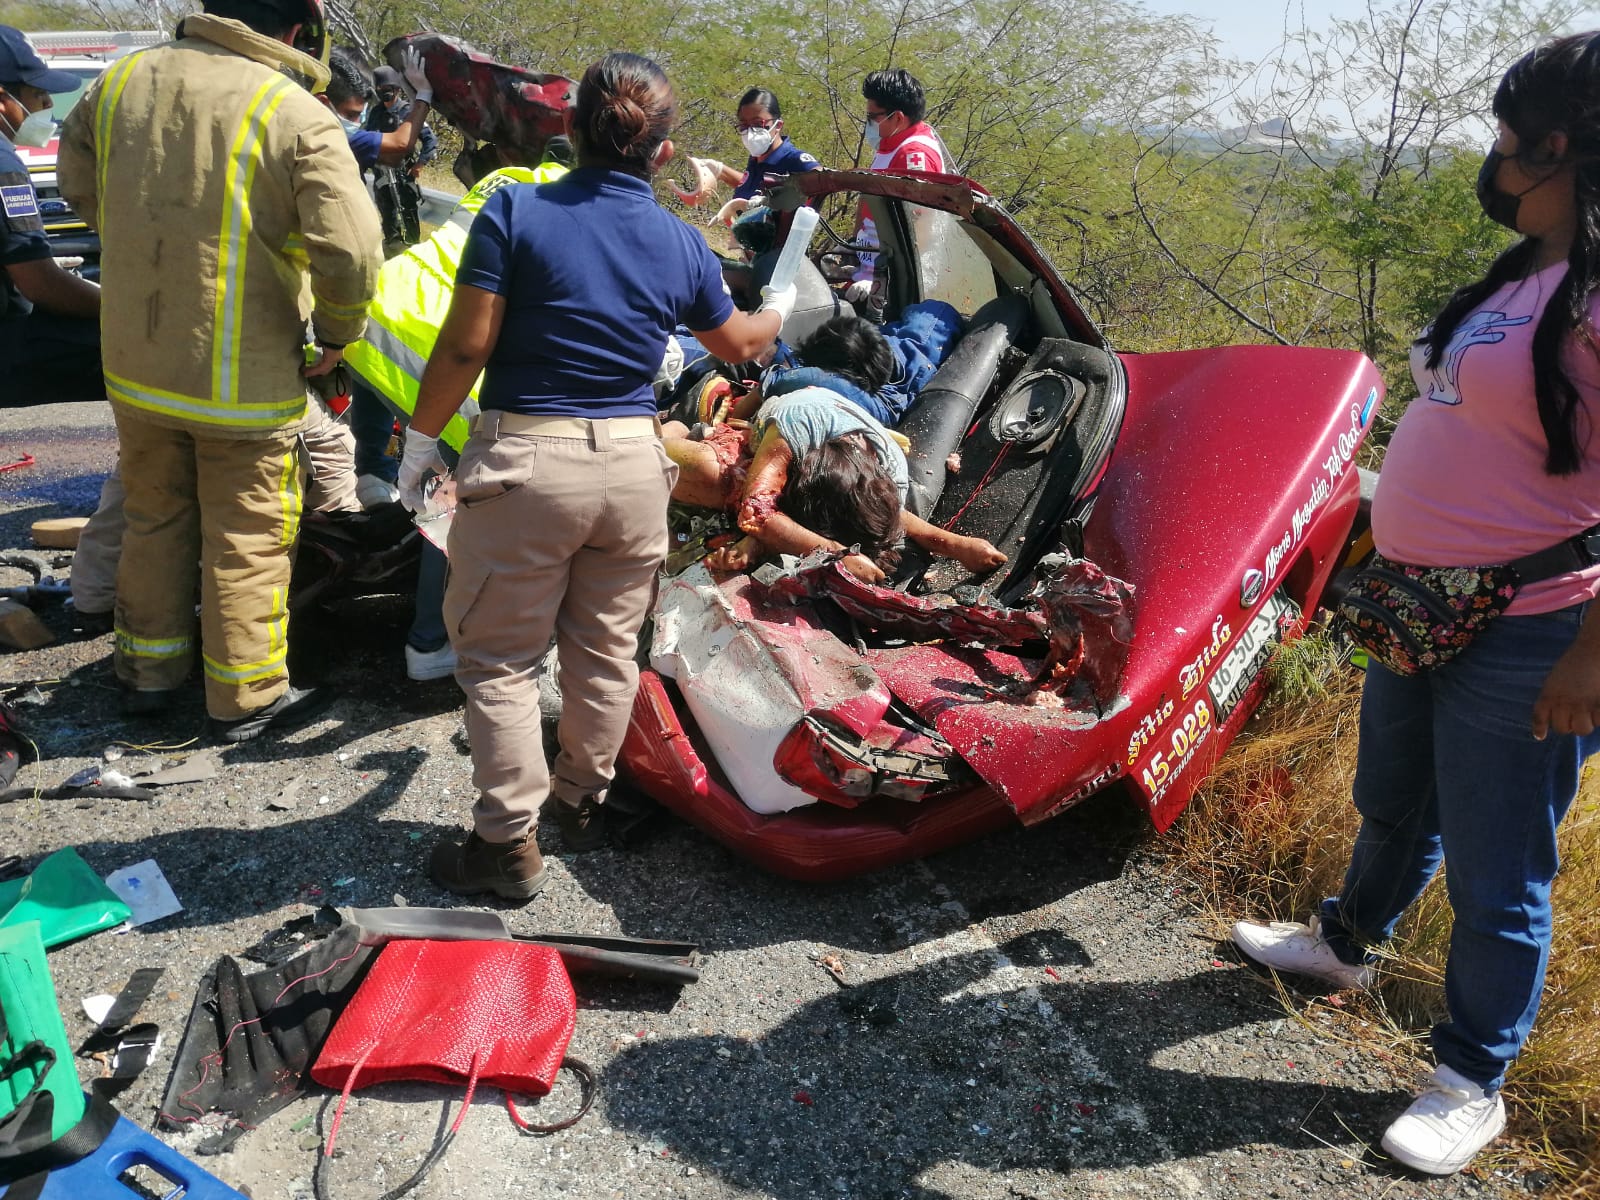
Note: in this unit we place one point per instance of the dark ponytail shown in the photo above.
(626, 109)
(1555, 87)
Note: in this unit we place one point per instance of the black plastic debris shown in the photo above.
(251, 1039)
(16, 747)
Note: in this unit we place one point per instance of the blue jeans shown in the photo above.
(1448, 769)
(372, 424)
(427, 631)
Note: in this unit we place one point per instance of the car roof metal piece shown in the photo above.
(963, 198)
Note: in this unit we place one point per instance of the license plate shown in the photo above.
(1249, 655)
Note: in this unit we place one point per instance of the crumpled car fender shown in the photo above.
(750, 683)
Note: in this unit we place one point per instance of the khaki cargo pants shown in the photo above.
(330, 446)
(555, 534)
(225, 509)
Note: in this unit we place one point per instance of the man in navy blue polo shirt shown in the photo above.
(49, 317)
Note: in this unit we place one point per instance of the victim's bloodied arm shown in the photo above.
(773, 531)
(974, 553)
(766, 529)
(758, 510)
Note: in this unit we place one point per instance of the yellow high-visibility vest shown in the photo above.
(413, 297)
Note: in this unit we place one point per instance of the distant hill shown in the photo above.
(1273, 136)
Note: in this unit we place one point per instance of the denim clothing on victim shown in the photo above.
(920, 339)
(1448, 770)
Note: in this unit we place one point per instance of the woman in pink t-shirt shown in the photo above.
(1476, 761)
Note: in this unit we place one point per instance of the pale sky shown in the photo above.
(1249, 29)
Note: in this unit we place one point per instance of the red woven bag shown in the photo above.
(456, 1012)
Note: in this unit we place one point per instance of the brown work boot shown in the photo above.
(513, 870)
(582, 825)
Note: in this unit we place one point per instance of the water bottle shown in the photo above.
(794, 248)
(438, 511)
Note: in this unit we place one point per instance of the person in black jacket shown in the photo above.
(49, 317)
(398, 192)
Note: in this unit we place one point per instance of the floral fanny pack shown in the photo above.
(1412, 619)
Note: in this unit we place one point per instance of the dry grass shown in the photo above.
(1269, 836)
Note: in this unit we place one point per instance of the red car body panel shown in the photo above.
(817, 844)
(517, 109)
(1231, 489)
(1223, 472)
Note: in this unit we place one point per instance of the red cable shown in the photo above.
(344, 1098)
(350, 1083)
(27, 460)
(982, 483)
(217, 1056)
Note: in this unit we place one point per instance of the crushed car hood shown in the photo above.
(794, 715)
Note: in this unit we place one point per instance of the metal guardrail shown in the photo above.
(436, 206)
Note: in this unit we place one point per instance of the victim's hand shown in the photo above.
(863, 568)
(737, 557)
(977, 555)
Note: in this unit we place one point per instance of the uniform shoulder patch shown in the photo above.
(18, 200)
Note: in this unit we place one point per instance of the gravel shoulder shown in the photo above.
(1041, 1014)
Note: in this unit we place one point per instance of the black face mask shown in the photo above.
(1500, 207)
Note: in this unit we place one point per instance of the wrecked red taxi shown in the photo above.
(1169, 519)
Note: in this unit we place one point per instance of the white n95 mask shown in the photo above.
(758, 141)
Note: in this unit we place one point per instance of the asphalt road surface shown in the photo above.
(1042, 1014)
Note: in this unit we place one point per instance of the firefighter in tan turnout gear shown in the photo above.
(230, 212)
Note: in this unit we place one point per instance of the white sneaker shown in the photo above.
(373, 490)
(1447, 1125)
(1300, 950)
(423, 665)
